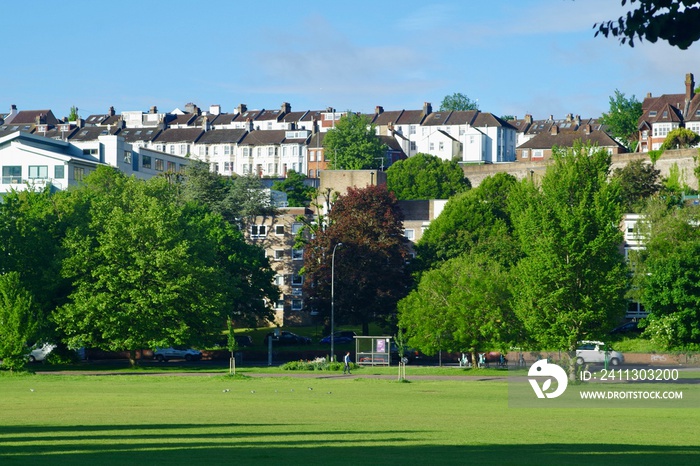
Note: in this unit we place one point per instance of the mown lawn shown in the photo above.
(172, 420)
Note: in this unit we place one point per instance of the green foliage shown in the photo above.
(681, 138)
(353, 144)
(73, 116)
(148, 270)
(638, 182)
(654, 155)
(667, 273)
(622, 118)
(458, 101)
(461, 306)
(318, 364)
(473, 220)
(18, 321)
(237, 200)
(299, 194)
(674, 21)
(370, 273)
(572, 280)
(426, 176)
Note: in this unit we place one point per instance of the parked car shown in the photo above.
(188, 354)
(594, 351)
(243, 340)
(287, 338)
(629, 327)
(339, 337)
(40, 352)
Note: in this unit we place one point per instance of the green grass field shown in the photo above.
(150, 419)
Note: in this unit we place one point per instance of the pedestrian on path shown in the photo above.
(346, 368)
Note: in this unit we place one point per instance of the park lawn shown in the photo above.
(179, 419)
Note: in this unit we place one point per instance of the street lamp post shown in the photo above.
(333, 301)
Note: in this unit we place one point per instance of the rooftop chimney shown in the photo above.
(241, 108)
(154, 109)
(427, 108)
(111, 111)
(215, 109)
(286, 107)
(555, 130)
(378, 110)
(528, 118)
(689, 87)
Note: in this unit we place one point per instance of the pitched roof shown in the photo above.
(174, 135)
(222, 136)
(139, 134)
(91, 133)
(264, 138)
(567, 138)
(410, 117)
(29, 117)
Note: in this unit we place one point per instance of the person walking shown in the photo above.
(346, 368)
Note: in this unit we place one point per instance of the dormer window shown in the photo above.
(665, 115)
(652, 113)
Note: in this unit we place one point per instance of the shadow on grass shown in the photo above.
(189, 444)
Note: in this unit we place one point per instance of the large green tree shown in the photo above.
(681, 138)
(463, 305)
(622, 118)
(638, 182)
(370, 272)
(667, 274)
(572, 280)
(19, 321)
(476, 220)
(674, 21)
(458, 102)
(147, 270)
(426, 176)
(299, 194)
(353, 144)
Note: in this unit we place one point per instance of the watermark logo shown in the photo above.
(542, 368)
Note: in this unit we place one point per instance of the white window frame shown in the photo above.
(258, 231)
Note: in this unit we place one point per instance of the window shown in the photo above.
(172, 150)
(215, 150)
(38, 171)
(279, 304)
(258, 230)
(296, 227)
(279, 280)
(297, 304)
(171, 166)
(59, 171)
(413, 146)
(78, 173)
(312, 156)
(227, 166)
(441, 146)
(432, 146)
(227, 150)
(297, 254)
(279, 254)
(159, 165)
(652, 113)
(409, 233)
(146, 161)
(11, 174)
(279, 229)
(412, 129)
(537, 153)
(127, 156)
(297, 280)
(525, 153)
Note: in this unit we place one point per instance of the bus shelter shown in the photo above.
(373, 351)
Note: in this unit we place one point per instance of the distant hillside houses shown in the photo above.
(271, 142)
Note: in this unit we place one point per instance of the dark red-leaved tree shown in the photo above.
(370, 272)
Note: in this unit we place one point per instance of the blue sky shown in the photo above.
(515, 57)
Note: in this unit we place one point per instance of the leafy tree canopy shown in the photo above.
(667, 274)
(299, 194)
(473, 220)
(572, 279)
(370, 273)
(674, 21)
(622, 118)
(638, 182)
(19, 321)
(426, 176)
(458, 101)
(353, 144)
(681, 138)
(463, 305)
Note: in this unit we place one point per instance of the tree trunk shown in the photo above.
(132, 358)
